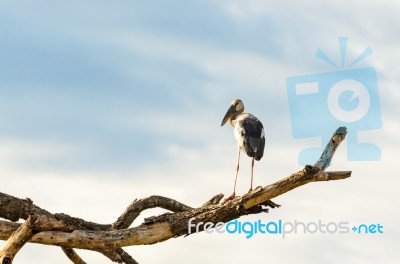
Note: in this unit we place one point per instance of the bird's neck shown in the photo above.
(233, 119)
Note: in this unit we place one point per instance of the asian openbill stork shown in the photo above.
(249, 133)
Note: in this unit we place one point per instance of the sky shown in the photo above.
(102, 102)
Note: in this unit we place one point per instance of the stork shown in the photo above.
(249, 133)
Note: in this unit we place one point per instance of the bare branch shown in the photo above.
(137, 206)
(33, 225)
(169, 225)
(72, 255)
(332, 175)
(326, 157)
(126, 258)
(17, 240)
(14, 208)
(214, 200)
(70, 232)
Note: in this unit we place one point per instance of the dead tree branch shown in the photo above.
(71, 254)
(69, 232)
(137, 206)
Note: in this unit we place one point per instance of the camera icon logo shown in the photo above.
(319, 103)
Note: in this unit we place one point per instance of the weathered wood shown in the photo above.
(137, 206)
(168, 225)
(70, 232)
(214, 200)
(17, 240)
(71, 254)
(126, 258)
(327, 155)
(33, 225)
(13, 209)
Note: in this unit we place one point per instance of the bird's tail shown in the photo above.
(256, 148)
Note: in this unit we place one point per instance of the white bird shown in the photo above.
(249, 133)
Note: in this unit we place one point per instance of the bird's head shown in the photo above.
(234, 110)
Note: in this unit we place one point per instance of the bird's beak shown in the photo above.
(228, 114)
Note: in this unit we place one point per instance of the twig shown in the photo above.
(214, 200)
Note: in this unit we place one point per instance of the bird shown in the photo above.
(250, 136)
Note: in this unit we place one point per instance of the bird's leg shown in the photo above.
(237, 171)
(233, 195)
(251, 183)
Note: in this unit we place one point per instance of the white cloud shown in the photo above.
(197, 151)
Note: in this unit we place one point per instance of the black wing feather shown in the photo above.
(254, 139)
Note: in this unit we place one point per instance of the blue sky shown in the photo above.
(103, 102)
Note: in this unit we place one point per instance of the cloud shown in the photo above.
(106, 103)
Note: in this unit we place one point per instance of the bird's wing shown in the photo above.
(252, 135)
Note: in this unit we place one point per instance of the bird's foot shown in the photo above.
(230, 197)
(250, 190)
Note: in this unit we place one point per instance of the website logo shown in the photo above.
(348, 96)
(282, 228)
